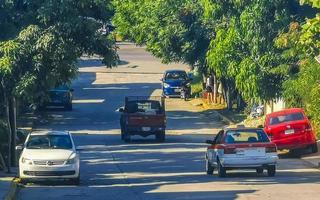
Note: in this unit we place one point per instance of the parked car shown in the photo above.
(291, 129)
(60, 96)
(241, 148)
(173, 81)
(49, 155)
(143, 116)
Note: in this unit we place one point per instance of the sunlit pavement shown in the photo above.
(144, 169)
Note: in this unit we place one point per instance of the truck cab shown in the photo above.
(143, 116)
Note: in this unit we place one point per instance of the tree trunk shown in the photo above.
(3, 163)
(228, 98)
(13, 125)
(7, 102)
(215, 88)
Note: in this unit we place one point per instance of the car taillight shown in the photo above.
(308, 127)
(271, 149)
(270, 135)
(230, 150)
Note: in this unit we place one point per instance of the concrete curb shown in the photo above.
(313, 159)
(13, 191)
(226, 119)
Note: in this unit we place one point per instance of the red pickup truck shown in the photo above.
(143, 116)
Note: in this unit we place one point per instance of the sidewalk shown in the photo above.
(313, 159)
(7, 190)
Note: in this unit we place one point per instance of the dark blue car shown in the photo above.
(60, 96)
(173, 81)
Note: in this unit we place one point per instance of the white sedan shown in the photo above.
(241, 148)
(49, 155)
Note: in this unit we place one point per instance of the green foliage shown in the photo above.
(48, 38)
(303, 89)
(172, 30)
(243, 50)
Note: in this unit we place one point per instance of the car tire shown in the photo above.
(209, 167)
(259, 170)
(271, 170)
(161, 136)
(126, 137)
(75, 181)
(221, 170)
(68, 106)
(314, 148)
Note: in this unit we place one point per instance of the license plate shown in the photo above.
(177, 90)
(146, 129)
(254, 151)
(289, 131)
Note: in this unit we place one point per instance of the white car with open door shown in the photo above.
(241, 148)
(49, 155)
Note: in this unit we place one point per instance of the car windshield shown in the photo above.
(178, 75)
(147, 107)
(286, 118)
(49, 142)
(245, 136)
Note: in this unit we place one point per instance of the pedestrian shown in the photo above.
(209, 89)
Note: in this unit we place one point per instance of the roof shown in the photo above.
(285, 111)
(49, 133)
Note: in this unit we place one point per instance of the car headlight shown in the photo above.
(26, 161)
(166, 85)
(72, 159)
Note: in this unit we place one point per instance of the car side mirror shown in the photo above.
(210, 142)
(19, 148)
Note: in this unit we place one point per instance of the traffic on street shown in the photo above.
(112, 136)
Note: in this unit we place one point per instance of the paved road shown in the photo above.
(144, 169)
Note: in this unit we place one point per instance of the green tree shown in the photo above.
(41, 48)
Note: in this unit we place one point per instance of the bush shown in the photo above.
(197, 85)
(303, 90)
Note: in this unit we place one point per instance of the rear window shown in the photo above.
(286, 118)
(245, 136)
(147, 107)
(177, 75)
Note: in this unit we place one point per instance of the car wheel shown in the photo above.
(314, 148)
(272, 170)
(75, 181)
(161, 136)
(68, 106)
(209, 168)
(259, 171)
(221, 170)
(126, 137)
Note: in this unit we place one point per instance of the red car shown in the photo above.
(291, 129)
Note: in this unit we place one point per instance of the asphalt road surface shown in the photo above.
(144, 169)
